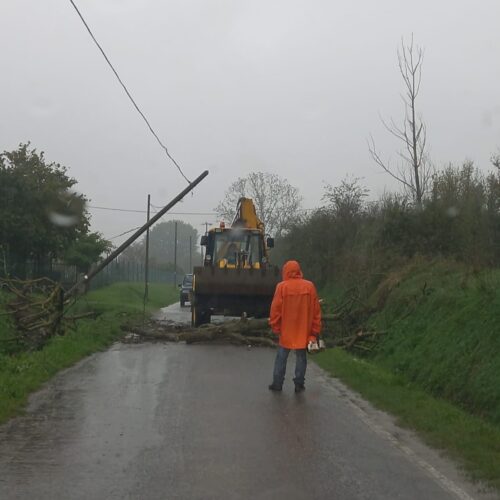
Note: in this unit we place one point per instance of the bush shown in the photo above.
(350, 239)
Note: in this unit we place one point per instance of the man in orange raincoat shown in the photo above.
(296, 317)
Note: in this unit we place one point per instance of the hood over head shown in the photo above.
(292, 270)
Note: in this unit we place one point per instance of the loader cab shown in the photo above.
(234, 248)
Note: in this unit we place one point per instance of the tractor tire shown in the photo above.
(199, 316)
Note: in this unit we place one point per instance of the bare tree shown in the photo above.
(414, 169)
(277, 202)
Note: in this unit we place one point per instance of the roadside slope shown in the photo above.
(443, 327)
(437, 367)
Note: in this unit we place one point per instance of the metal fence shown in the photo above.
(132, 272)
(31, 270)
(68, 275)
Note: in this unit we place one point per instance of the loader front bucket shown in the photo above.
(232, 292)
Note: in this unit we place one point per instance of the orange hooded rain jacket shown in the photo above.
(295, 312)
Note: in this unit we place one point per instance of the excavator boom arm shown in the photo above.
(246, 215)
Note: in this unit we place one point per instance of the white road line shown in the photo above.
(442, 480)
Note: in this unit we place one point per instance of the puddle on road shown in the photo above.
(175, 314)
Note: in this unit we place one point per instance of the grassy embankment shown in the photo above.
(23, 373)
(438, 366)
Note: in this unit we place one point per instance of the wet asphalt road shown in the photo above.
(171, 421)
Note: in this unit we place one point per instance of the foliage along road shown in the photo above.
(172, 421)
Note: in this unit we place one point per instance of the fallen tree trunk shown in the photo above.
(242, 332)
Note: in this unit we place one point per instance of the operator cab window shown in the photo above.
(228, 246)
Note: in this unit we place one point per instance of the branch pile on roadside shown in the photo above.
(345, 326)
(37, 311)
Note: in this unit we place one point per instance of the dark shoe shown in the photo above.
(300, 388)
(276, 388)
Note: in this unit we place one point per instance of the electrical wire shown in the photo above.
(113, 209)
(159, 207)
(117, 209)
(128, 93)
(124, 233)
(155, 206)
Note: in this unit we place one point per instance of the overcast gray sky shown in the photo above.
(284, 86)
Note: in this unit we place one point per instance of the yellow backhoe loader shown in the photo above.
(236, 277)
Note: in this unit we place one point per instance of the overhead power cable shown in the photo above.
(113, 209)
(128, 93)
(124, 233)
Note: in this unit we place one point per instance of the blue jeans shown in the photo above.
(280, 366)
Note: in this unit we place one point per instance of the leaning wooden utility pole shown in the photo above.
(112, 256)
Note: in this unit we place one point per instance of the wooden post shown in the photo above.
(146, 264)
(175, 254)
(190, 253)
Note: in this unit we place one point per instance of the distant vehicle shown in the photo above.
(186, 289)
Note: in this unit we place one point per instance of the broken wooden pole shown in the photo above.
(112, 256)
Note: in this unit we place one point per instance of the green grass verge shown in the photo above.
(443, 333)
(470, 440)
(23, 373)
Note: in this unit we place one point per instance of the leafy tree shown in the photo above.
(40, 215)
(277, 202)
(161, 246)
(86, 250)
